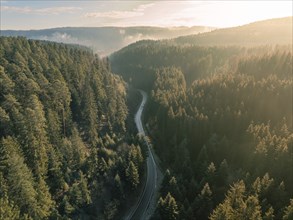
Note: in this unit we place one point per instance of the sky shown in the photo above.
(41, 14)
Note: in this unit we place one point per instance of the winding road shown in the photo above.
(139, 211)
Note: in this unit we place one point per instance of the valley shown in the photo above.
(145, 122)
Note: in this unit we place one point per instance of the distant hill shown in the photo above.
(200, 55)
(273, 31)
(105, 40)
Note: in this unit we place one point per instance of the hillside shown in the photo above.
(65, 150)
(105, 40)
(273, 31)
(220, 116)
(203, 54)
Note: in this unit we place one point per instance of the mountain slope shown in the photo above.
(105, 40)
(64, 146)
(221, 118)
(203, 54)
(273, 31)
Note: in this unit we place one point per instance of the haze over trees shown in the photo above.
(221, 121)
(219, 115)
(105, 40)
(272, 31)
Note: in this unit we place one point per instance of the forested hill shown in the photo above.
(138, 62)
(273, 31)
(105, 40)
(221, 121)
(203, 54)
(226, 141)
(64, 147)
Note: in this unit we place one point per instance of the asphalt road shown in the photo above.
(140, 209)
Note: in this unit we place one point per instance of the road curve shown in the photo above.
(140, 209)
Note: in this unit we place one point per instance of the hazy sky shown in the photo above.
(46, 14)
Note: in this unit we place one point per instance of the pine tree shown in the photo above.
(288, 213)
(19, 179)
(222, 173)
(135, 156)
(92, 163)
(238, 205)
(83, 184)
(78, 147)
(103, 166)
(252, 209)
(132, 175)
(269, 214)
(118, 186)
(4, 122)
(173, 187)
(168, 208)
(111, 209)
(44, 199)
(8, 211)
(6, 84)
(204, 202)
(35, 137)
(90, 114)
(66, 207)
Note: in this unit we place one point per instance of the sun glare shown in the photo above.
(233, 13)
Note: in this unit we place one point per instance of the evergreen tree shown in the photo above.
(19, 179)
(90, 114)
(35, 137)
(132, 175)
(118, 186)
(8, 211)
(269, 214)
(110, 210)
(238, 205)
(168, 208)
(203, 202)
(44, 198)
(288, 213)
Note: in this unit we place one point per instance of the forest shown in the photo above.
(105, 40)
(65, 149)
(220, 118)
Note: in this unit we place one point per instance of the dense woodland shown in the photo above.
(139, 62)
(221, 122)
(65, 152)
(105, 40)
(219, 116)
